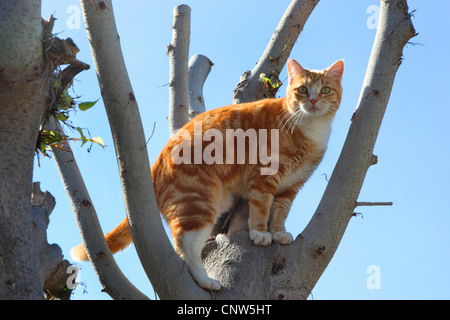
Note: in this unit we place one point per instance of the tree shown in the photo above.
(29, 61)
(277, 272)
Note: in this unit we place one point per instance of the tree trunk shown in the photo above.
(24, 93)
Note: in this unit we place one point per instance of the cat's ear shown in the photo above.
(336, 71)
(294, 70)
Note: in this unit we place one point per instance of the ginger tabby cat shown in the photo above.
(193, 189)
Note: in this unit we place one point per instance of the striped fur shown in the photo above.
(191, 197)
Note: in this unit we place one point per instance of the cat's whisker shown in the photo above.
(301, 116)
(294, 120)
(282, 113)
(286, 118)
(282, 122)
(291, 122)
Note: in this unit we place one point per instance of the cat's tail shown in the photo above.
(117, 239)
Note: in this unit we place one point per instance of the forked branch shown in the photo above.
(199, 68)
(322, 235)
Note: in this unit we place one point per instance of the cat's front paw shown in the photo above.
(282, 237)
(261, 238)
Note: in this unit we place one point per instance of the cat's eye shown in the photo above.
(303, 90)
(325, 90)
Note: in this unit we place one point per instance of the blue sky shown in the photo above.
(406, 244)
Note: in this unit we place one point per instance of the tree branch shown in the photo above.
(320, 238)
(151, 242)
(371, 204)
(199, 68)
(276, 53)
(111, 277)
(178, 51)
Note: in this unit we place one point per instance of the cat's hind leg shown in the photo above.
(191, 212)
(189, 246)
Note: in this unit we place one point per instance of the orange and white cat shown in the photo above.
(192, 195)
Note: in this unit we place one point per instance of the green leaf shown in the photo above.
(87, 105)
(61, 116)
(83, 138)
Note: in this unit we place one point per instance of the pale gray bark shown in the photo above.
(276, 53)
(178, 51)
(151, 242)
(24, 90)
(23, 41)
(199, 69)
(291, 272)
(111, 277)
(52, 265)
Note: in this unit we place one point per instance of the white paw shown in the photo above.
(282, 237)
(261, 238)
(208, 283)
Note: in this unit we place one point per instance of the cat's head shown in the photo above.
(314, 93)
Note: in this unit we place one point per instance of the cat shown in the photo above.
(192, 196)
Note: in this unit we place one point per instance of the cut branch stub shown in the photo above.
(178, 52)
(199, 68)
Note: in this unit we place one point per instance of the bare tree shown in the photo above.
(274, 272)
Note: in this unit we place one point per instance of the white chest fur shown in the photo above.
(317, 130)
(301, 174)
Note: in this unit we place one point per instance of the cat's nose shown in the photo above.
(313, 101)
